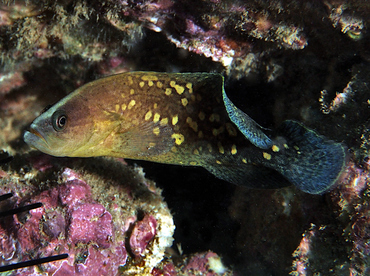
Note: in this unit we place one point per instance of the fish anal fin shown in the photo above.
(249, 175)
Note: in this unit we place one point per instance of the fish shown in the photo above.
(185, 119)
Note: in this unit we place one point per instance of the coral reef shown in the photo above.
(76, 218)
(282, 59)
(123, 231)
(350, 204)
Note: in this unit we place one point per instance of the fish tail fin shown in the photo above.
(298, 156)
(310, 161)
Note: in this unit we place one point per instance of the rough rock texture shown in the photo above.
(86, 215)
(282, 59)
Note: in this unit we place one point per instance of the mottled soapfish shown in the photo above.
(185, 119)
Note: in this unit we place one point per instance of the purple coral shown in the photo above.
(208, 263)
(73, 221)
(143, 232)
(70, 221)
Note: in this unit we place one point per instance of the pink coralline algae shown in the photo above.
(221, 31)
(199, 264)
(350, 201)
(69, 222)
(76, 219)
(108, 226)
(208, 264)
(143, 232)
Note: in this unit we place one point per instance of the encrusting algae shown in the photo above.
(171, 118)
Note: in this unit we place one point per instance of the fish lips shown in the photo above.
(35, 139)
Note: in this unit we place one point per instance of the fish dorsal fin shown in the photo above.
(146, 139)
(250, 129)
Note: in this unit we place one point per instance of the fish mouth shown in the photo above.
(34, 131)
(35, 139)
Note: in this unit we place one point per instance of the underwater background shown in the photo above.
(282, 60)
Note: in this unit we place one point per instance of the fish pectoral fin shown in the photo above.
(247, 126)
(146, 139)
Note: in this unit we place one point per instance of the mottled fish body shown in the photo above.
(185, 119)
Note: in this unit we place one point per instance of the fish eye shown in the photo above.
(59, 120)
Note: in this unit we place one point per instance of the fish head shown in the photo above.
(67, 128)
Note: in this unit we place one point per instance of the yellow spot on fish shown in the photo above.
(200, 134)
(233, 149)
(179, 89)
(217, 131)
(142, 84)
(174, 149)
(218, 162)
(164, 122)
(201, 115)
(220, 148)
(244, 160)
(159, 84)
(266, 155)
(231, 130)
(148, 115)
(150, 83)
(193, 163)
(189, 86)
(168, 91)
(131, 104)
(275, 148)
(192, 124)
(286, 146)
(132, 91)
(184, 101)
(123, 107)
(214, 117)
(209, 146)
(155, 105)
(175, 119)
(179, 138)
(196, 151)
(151, 145)
(130, 81)
(156, 130)
(117, 107)
(296, 147)
(156, 117)
(149, 78)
